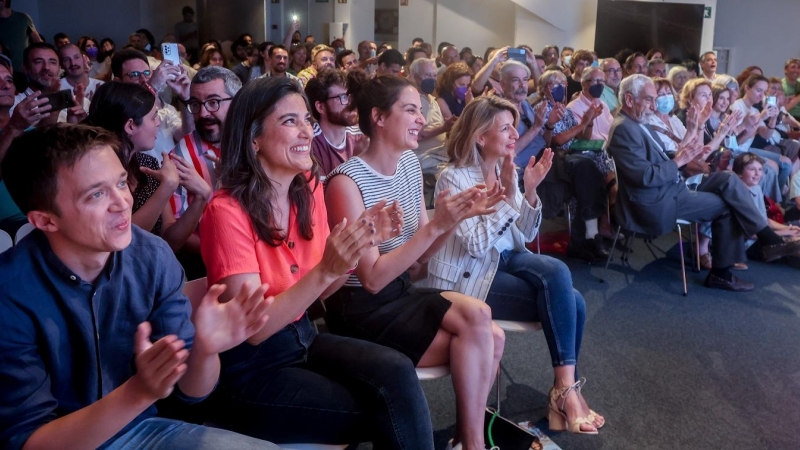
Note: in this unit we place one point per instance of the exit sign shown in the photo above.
(707, 14)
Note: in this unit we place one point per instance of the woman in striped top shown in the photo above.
(379, 303)
(517, 284)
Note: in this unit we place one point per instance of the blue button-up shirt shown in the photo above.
(64, 342)
(536, 145)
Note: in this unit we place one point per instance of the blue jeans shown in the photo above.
(167, 434)
(298, 386)
(538, 288)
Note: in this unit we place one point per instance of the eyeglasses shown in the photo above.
(211, 105)
(616, 71)
(136, 74)
(344, 99)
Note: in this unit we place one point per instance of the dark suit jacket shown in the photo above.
(648, 180)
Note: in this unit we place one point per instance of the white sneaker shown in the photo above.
(450, 445)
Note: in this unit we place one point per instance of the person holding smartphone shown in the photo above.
(42, 67)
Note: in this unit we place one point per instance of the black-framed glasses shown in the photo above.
(344, 99)
(211, 105)
(137, 73)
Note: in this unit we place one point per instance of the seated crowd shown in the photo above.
(400, 188)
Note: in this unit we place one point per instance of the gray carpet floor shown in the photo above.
(713, 370)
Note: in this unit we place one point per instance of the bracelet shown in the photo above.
(353, 270)
(549, 128)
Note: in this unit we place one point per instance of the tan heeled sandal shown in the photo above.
(558, 418)
(592, 414)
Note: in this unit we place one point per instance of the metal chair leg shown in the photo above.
(569, 219)
(683, 262)
(697, 245)
(613, 246)
(499, 377)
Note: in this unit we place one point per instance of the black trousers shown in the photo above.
(574, 176)
(725, 201)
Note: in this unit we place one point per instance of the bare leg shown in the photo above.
(473, 345)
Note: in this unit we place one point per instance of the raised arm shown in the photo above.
(482, 77)
(168, 178)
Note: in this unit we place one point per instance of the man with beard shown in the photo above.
(75, 71)
(322, 57)
(40, 63)
(278, 62)
(210, 96)
(613, 72)
(652, 194)
(336, 136)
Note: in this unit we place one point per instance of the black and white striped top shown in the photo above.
(405, 186)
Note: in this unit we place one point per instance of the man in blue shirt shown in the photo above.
(94, 327)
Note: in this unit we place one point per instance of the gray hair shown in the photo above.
(587, 73)
(606, 61)
(675, 71)
(652, 63)
(210, 73)
(415, 67)
(633, 85)
(510, 65)
(726, 81)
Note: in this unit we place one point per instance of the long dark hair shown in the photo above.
(240, 171)
(113, 104)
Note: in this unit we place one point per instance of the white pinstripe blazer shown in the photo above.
(468, 261)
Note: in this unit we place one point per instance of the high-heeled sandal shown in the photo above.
(558, 418)
(592, 413)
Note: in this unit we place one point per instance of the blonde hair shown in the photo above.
(690, 88)
(476, 119)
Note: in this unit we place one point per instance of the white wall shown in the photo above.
(765, 35)
(466, 23)
(359, 15)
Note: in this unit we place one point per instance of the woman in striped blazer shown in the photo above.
(486, 257)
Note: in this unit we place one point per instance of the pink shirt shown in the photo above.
(602, 123)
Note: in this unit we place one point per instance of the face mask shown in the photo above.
(595, 63)
(91, 52)
(339, 50)
(665, 103)
(372, 53)
(567, 60)
(461, 92)
(596, 90)
(558, 93)
(428, 85)
(147, 48)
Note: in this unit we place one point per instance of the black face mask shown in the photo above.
(596, 90)
(428, 85)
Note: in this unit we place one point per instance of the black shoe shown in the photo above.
(735, 284)
(590, 250)
(597, 247)
(772, 252)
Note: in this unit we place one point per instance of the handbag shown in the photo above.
(501, 433)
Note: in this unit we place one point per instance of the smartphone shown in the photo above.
(517, 54)
(731, 142)
(60, 100)
(771, 101)
(170, 52)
